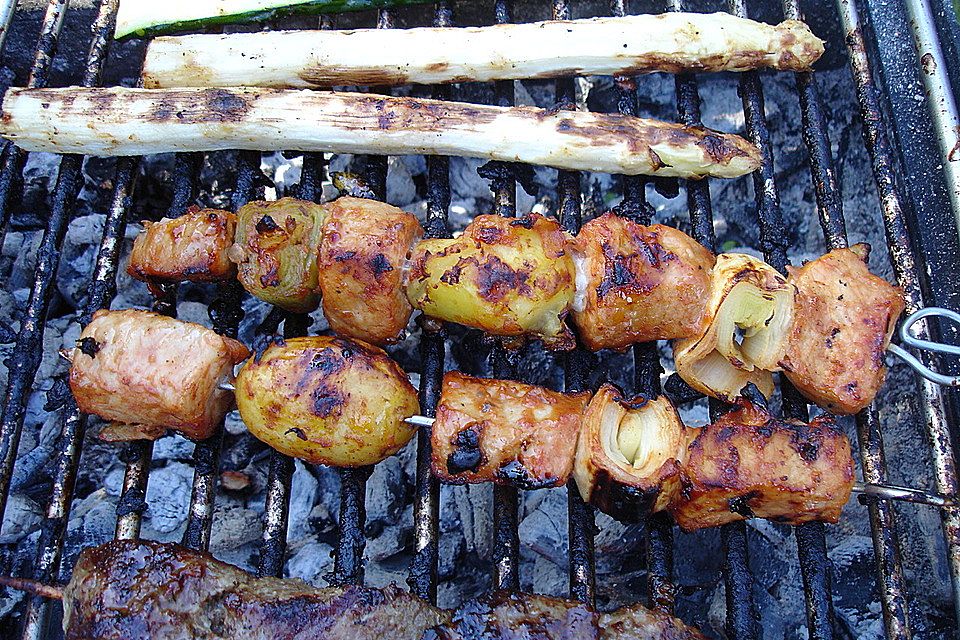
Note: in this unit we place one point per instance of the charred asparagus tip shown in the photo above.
(32, 586)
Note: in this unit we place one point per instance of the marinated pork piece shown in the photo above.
(364, 254)
(629, 454)
(152, 373)
(845, 317)
(508, 277)
(748, 464)
(276, 250)
(327, 400)
(192, 247)
(749, 318)
(637, 283)
(505, 432)
(140, 590)
(507, 615)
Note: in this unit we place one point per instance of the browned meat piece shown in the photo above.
(276, 250)
(520, 616)
(508, 277)
(629, 454)
(328, 400)
(363, 256)
(137, 590)
(141, 368)
(192, 247)
(844, 319)
(505, 432)
(749, 464)
(637, 283)
(639, 623)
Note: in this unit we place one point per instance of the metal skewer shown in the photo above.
(881, 491)
(909, 340)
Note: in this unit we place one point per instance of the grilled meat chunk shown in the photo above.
(629, 454)
(191, 247)
(327, 400)
(276, 250)
(508, 277)
(749, 319)
(521, 616)
(749, 464)
(364, 254)
(845, 317)
(153, 373)
(139, 590)
(506, 432)
(637, 283)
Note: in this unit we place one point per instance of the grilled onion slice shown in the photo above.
(276, 250)
(751, 310)
(629, 454)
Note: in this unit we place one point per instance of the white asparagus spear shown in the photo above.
(120, 121)
(671, 42)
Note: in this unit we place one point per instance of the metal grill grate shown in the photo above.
(226, 313)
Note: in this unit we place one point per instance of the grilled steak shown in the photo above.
(137, 590)
(518, 616)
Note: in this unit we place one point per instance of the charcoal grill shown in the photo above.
(226, 314)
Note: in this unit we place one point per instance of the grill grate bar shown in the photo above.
(27, 351)
(14, 157)
(273, 540)
(138, 454)
(908, 276)
(506, 500)
(54, 526)
(422, 576)
(348, 559)
(580, 517)
(742, 618)
(226, 313)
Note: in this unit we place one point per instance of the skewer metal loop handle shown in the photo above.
(909, 340)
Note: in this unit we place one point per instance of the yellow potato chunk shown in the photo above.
(327, 400)
(276, 250)
(508, 277)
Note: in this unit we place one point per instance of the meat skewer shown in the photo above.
(124, 122)
(628, 45)
(334, 401)
(731, 316)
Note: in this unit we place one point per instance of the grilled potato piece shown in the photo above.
(749, 464)
(508, 277)
(750, 316)
(276, 249)
(637, 283)
(364, 254)
(327, 400)
(152, 373)
(629, 454)
(845, 317)
(506, 432)
(191, 247)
